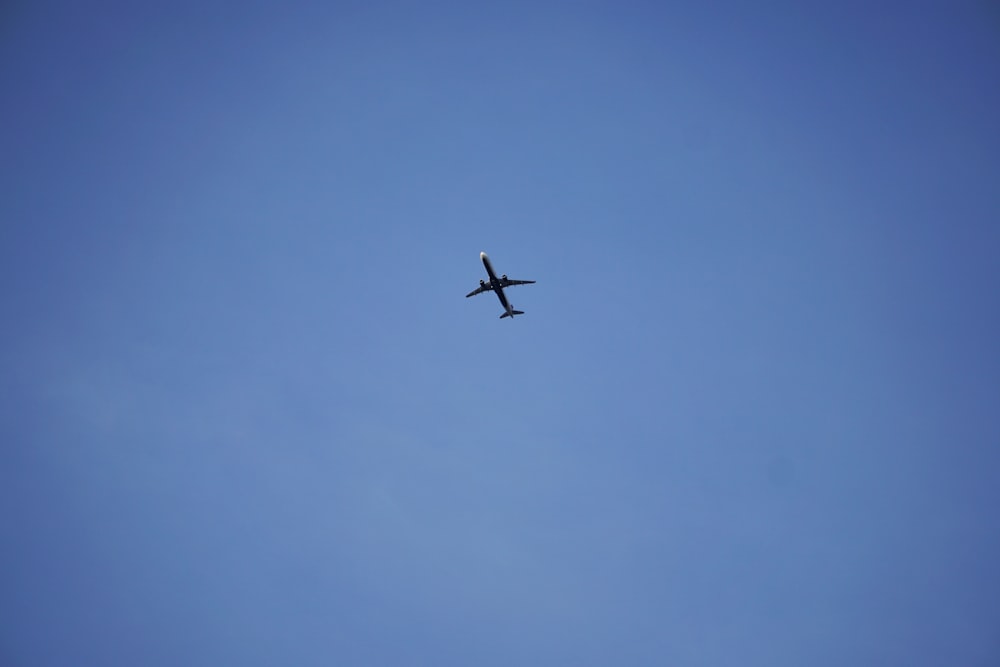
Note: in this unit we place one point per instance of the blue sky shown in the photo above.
(749, 417)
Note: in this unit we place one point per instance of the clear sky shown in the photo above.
(750, 417)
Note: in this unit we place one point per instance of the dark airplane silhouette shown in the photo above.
(497, 285)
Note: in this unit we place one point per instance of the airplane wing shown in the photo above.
(486, 287)
(506, 282)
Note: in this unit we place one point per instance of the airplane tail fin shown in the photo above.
(516, 312)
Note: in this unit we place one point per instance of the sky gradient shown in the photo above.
(751, 415)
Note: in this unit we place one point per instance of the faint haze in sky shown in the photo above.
(750, 415)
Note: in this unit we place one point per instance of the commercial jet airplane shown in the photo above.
(497, 285)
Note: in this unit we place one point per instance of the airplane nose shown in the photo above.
(482, 255)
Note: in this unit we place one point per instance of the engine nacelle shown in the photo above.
(505, 276)
(482, 283)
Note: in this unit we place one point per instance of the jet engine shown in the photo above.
(482, 283)
(505, 276)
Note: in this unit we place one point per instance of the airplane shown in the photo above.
(497, 285)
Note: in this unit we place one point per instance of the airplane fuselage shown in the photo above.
(496, 284)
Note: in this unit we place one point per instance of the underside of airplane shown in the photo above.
(497, 285)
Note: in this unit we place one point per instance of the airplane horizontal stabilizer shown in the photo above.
(516, 312)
